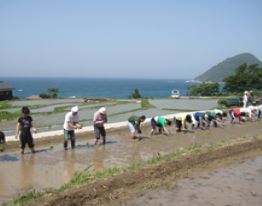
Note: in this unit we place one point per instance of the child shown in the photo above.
(160, 122)
(23, 128)
(134, 125)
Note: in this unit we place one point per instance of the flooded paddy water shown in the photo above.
(50, 168)
(117, 111)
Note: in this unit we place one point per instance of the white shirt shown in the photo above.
(70, 118)
(218, 111)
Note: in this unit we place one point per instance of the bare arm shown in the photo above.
(17, 130)
(33, 128)
(166, 131)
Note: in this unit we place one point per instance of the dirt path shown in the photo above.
(236, 180)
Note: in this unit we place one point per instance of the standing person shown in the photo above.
(100, 118)
(134, 125)
(245, 99)
(24, 127)
(160, 122)
(2, 141)
(71, 123)
(181, 120)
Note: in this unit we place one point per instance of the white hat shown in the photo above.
(74, 109)
(102, 110)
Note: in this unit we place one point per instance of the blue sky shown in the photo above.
(135, 38)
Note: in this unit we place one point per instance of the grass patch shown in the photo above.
(179, 110)
(145, 104)
(5, 116)
(86, 176)
(5, 105)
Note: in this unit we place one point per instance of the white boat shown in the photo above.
(175, 94)
(193, 81)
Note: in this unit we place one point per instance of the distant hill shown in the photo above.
(226, 68)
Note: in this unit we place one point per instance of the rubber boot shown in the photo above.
(65, 145)
(104, 140)
(72, 144)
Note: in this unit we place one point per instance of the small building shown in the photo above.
(6, 91)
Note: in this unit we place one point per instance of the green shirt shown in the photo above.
(134, 120)
(161, 121)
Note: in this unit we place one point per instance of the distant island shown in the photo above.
(226, 68)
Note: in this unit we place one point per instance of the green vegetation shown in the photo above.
(245, 78)
(52, 93)
(4, 105)
(5, 116)
(204, 89)
(179, 110)
(229, 101)
(145, 104)
(227, 67)
(86, 176)
(135, 95)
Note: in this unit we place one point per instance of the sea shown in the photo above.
(96, 87)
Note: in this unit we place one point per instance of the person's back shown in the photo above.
(134, 120)
(161, 121)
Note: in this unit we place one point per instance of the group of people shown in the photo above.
(183, 122)
(193, 120)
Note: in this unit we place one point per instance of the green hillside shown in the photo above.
(226, 68)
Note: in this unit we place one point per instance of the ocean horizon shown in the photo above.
(95, 87)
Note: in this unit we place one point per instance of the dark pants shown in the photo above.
(178, 125)
(154, 125)
(2, 138)
(69, 135)
(259, 114)
(100, 131)
(26, 138)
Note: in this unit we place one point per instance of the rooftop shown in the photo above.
(5, 87)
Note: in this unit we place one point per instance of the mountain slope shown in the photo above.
(226, 68)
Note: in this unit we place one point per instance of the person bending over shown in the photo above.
(134, 125)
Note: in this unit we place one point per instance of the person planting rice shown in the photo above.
(239, 115)
(181, 120)
(71, 123)
(160, 122)
(201, 119)
(100, 118)
(24, 127)
(216, 117)
(134, 125)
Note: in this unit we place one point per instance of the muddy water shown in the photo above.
(238, 183)
(51, 168)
